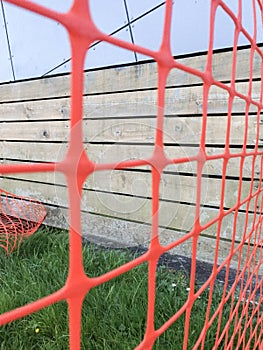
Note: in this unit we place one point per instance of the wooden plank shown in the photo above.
(181, 130)
(172, 215)
(36, 110)
(173, 187)
(137, 182)
(177, 188)
(179, 101)
(103, 153)
(35, 131)
(222, 65)
(117, 233)
(176, 130)
(136, 104)
(32, 151)
(116, 153)
(52, 178)
(132, 77)
(49, 87)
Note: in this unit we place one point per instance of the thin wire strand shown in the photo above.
(8, 41)
(130, 27)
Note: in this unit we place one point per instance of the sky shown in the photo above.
(33, 46)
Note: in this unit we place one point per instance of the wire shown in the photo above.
(130, 28)
(8, 41)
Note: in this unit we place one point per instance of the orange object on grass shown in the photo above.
(19, 217)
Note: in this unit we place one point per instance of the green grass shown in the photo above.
(114, 314)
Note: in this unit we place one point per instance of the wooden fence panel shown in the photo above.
(119, 123)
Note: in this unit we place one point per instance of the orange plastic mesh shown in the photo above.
(83, 32)
(19, 217)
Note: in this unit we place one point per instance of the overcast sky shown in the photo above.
(38, 45)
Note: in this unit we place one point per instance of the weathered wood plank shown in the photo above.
(177, 216)
(35, 110)
(35, 89)
(176, 130)
(173, 187)
(132, 77)
(55, 152)
(179, 101)
(32, 151)
(112, 232)
(35, 131)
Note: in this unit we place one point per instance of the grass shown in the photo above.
(114, 314)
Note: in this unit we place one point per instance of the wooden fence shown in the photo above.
(120, 105)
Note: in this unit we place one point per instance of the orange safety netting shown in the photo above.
(82, 33)
(19, 217)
